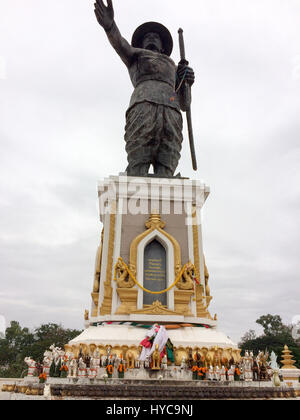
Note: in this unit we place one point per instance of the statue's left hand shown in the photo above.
(188, 72)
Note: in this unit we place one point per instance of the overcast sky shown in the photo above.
(64, 93)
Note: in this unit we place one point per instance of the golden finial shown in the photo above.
(287, 359)
(155, 221)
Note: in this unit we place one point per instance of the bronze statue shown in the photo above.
(153, 131)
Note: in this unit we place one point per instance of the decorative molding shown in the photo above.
(128, 299)
(182, 299)
(107, 300)
(156, 308)
(201, 308)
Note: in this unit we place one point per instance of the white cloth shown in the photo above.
(160, 339)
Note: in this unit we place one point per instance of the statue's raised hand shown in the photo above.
(104, 14)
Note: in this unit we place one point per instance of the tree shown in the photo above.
(21, 342)
(272, 324)
(276, 335)
(248, 336)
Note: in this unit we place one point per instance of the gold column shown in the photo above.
(201, 308)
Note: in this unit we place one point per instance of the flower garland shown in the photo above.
(43, 378)
(120, 260)
(109, 369)
(121, 368)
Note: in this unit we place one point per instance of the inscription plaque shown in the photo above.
(155, 272)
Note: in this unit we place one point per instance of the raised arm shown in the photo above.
(105, 17)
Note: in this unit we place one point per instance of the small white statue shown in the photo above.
(73, 368)
(46, 365)
(223, 374)
(248, 367)
(217, 373)
(82, 372)
(31, 366)
(147, 362)
(211, 373)
(47, 391)
(231, 373)
(93, 370)
(273, 363)
(164, 363)
(183, 363)
(276, 379)
(103, 360)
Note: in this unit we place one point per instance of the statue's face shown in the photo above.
(152, 42)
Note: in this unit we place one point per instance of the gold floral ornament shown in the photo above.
(124, 281)
(187, 280)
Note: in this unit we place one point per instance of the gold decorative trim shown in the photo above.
(96, 286)
(128, 299)
(107, 300)
(202, 311)
(122, 277)
(154, 223)
(182, 300)
(98, 265)
(157, 308)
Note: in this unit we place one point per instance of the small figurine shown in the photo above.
(164, 363)
(73, 368)
(231, 373)
(130, 360)
(156, 359)
(210, 375)
(82, 373)
(223, 374)
(31, 366)
(147, 363)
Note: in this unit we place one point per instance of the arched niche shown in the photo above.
(155, 235)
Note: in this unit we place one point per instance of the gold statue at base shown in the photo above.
(156, 359)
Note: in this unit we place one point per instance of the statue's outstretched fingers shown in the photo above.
(100, 3)
(99, 7)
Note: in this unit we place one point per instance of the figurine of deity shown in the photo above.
(223, 374)
(147, 363)
(31, 366)
(156, 359)
(73, 368)
(46, 365)
(247, 367)
(164, 363)
(211, 373)
(93, 370)
(217, 373)
(82, 372)
(231, 373)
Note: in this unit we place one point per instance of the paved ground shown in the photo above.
(4, 396)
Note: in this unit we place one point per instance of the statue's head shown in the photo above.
(153, 36)
(153, 42)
